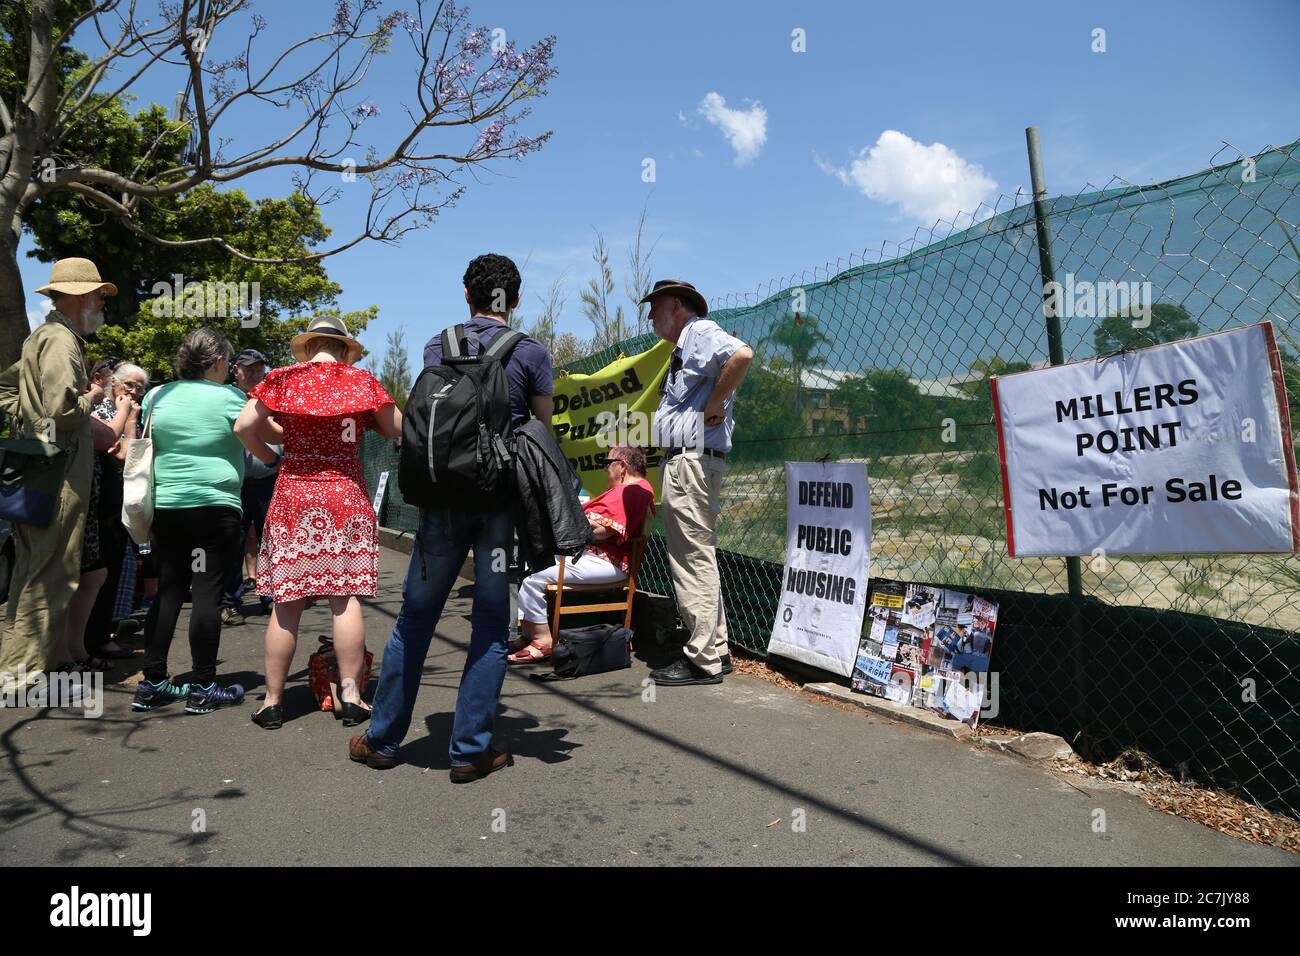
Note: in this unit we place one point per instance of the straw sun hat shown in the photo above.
(76, 277)
(332, 326)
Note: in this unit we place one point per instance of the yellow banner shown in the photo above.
(613, 406)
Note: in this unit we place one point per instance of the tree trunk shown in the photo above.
(27, 133)
(13, 309)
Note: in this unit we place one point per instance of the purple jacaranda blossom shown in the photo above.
(489, 139)
(342, 15)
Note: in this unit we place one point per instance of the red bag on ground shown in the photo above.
(323, 673)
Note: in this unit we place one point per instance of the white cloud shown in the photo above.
(37, 315)
(746, 130)
(927, 183)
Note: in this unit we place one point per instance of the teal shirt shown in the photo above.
(197, 460)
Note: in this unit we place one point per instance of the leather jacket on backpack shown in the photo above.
(549, 519)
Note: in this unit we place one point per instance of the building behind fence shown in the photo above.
(1193, 660)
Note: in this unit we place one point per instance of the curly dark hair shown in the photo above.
(486, 278)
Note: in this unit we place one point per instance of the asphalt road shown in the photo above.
(740, 773)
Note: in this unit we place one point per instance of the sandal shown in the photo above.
(531, 653)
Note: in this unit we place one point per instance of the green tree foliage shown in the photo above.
(982, 472)
(797, 339)
(567, 347)
(1169, 323)
(151, 340)
(889, 406)
(63, 225)
(395, 372)
(981, 392)
(765, 413)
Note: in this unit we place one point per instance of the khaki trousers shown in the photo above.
(692, 485)
(47, 568)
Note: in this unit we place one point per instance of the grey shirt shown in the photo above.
(702, 349)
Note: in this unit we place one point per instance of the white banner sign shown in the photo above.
(828, 540)
(1181, 448)
(379, 491)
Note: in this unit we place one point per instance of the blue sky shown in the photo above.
(769, 162)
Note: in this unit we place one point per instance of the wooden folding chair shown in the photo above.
(562, 591)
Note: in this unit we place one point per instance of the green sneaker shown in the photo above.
(149, 695)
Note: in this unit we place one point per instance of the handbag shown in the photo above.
(323, 673)
(31, 476)
(598, 649)
(137, 483)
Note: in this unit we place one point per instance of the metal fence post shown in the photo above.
(1056, 355)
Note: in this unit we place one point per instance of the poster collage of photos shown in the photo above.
(928, 647)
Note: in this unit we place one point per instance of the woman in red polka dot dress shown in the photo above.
(319, 540)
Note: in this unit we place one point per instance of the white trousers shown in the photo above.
(588, 569)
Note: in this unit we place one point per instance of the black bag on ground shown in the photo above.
(580, 651)
(457, 439)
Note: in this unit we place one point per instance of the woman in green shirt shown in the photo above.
(198, 468)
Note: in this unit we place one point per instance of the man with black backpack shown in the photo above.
(481, 380)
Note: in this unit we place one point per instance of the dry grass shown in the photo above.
(1210, 808)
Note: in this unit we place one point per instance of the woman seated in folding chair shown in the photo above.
(617, 517)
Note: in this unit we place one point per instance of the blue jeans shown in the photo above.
(439, 551)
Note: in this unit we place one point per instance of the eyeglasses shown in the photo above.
(615, 461)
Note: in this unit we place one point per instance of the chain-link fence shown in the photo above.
(1194, 660)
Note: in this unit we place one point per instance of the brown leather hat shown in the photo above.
(681, 288)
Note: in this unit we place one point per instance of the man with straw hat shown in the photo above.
(47, 391)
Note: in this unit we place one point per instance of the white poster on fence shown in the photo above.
(379, 491)
(828, 542)
(1181, 448)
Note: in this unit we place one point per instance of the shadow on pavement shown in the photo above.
(567, 691)
(520, 735)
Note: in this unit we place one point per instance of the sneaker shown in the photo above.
(230, 617)
(726, 664)
(149, 695)
(204, 700)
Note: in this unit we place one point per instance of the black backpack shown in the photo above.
(457, 438)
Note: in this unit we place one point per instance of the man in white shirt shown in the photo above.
(692, 428)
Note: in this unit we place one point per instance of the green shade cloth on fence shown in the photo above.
(1193, 659)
